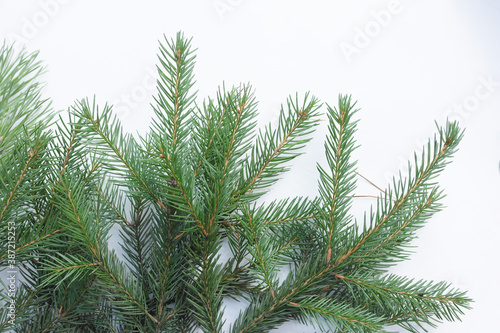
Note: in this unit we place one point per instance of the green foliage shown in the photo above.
(181, 192)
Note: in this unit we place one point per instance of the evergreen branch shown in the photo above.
(267, 313)
(83, 232)
(236, 276)
(180, 193)
(128, 292)
(76, 267)
(21, 105)
(37, 241)
(261, 254)
(96, 124)
(338, 316)
(276, 147)
(159, 260)
(23, 196)
(205, 294)
(206, 126)
(69, 150)
(422, 210)
(226, 143)
(335, 188)
(168, 281)
(167, 318)
(83, 229)
(32, 155)
(187, 199)
(291, 210)
(68, 310)
(176, 79)
(112, 206)
(22, 302)
(408, 195)
(294, 218)
(236, 282)
(240, 129)
(397, 297)
(171, 128)
(291, 223)
(138, 245)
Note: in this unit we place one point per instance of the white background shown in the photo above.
(408, 63)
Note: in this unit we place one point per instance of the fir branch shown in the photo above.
(399, 297)
(407, 196)
(87, 234)
(23, 300)
(68, 312)
(205, 295)
(173, 101)
(338, 316)
(113, 206)
(32, 155)
(273, 148)
(267, 313)
(291, 210)
(117, 147)
(425, 209)
(261, 250)
(241, 104)
(186, 189)
(337, 184)
(33, 243)
(165, 264)
(21, 105)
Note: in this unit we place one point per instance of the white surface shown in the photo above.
(423, 61)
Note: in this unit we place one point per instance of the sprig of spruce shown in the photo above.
(181, 191)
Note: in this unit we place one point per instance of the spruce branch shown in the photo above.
(431, 302)
(21, 105)
(344, 317)
(188, 194)
(174, 99)
(406, 205)
(337, 184)
(275, 147)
